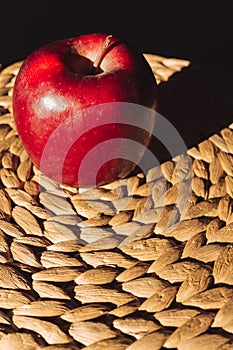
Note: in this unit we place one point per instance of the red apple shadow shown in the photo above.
(197, 103)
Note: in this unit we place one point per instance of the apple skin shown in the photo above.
(57, 82)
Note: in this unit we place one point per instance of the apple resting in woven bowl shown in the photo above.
(81, 106)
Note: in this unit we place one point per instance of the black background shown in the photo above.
(200, 31)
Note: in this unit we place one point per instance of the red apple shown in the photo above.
(74, 94)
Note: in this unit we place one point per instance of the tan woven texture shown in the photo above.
(150, 275)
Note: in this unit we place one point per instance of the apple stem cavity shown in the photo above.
(102, 52)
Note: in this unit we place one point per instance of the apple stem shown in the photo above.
(101, 52)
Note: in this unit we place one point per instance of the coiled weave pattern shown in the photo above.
(151, 275)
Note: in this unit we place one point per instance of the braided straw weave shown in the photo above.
(158, 288)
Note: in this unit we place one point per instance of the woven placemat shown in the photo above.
(167, 284)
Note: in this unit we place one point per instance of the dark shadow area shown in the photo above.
(197, 102)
